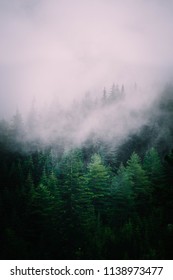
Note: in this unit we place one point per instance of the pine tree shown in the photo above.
(71, 177)
(98, 180)
(17, 131)
(153, 167)
(140, 184)
(122, 197)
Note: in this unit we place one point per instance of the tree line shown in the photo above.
(93, 201)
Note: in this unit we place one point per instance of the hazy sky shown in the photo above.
(67, 47)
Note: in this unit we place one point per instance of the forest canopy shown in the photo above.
(106, 193)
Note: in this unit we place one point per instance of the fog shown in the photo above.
(60, 49)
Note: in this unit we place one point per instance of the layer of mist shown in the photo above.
(111, 117)
(61, 49)
(53, 52)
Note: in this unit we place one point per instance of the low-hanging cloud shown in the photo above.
(58, 50)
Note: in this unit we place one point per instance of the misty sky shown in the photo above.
(64, 48)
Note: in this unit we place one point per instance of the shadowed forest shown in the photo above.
(103, 196)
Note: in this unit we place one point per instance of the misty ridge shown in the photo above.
(112, 117)
(65, 48)
(53, 52)
(92, 180)
(86, 132)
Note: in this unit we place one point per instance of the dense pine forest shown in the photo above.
(107, 195)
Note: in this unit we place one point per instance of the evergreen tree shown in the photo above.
(122, 197)
(98, 180)
(140, 184)
(153, 167)
(70, 177)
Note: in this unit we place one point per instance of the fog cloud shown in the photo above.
(64, 48)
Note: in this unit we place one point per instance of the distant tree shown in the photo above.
(116, 94)
(104, 97)
(17, 131)
(112, 95)
(4, 135)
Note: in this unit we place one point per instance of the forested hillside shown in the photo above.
(83, 184)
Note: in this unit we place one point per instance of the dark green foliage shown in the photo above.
(140, 184)
(64, 208)
(98, 181)
(93, 202)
